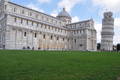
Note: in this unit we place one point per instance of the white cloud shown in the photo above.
(44, 1)
(117, 22)
(75, 19)
(68, 4)
(117, 31)
(54, 13)
(32, 6)
(98, 28)
(112, 5)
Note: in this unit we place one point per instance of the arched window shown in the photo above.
(21, 21)
(75, 40)
(63, 39)
(14, 9)
(25, 34)
(35, 35)
(57, 38)
(44, 36)
(15, 19)
(23, 11)
(51, 37)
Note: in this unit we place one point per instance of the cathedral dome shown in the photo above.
(64, 13)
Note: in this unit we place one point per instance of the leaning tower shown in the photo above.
(107, 32)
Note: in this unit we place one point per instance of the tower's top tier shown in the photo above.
(108, 15)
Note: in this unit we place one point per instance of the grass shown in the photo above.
(59, 65)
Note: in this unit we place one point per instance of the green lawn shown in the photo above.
(59, 65)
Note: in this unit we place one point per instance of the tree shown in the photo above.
(98, 46)
(118, 47)
(114, 47)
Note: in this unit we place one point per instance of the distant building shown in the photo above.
(25, 28)
(107, 32)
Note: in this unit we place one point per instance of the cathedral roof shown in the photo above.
(64, 13)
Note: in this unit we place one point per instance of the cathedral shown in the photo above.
(25, 28)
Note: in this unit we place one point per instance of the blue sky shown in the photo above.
(79, 10)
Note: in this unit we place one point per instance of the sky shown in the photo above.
(80, 10)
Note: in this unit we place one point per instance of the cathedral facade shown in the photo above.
(25, 28)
